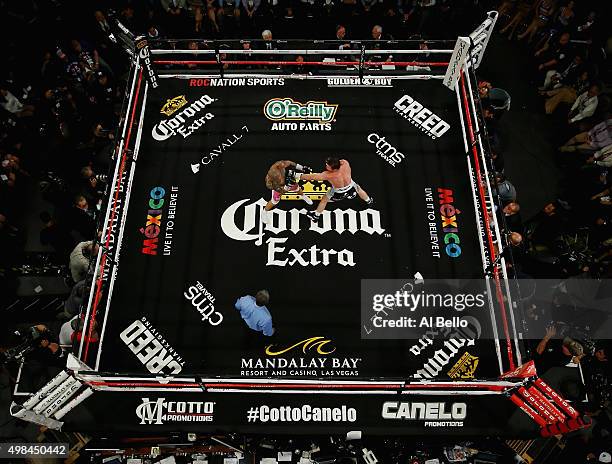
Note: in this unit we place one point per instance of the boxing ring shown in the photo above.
(183, 238)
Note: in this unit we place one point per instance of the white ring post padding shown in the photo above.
(66, 386)
(73, 403)
(40, 394)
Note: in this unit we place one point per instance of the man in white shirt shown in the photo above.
(585, 105)
(11, 103)
(65, 335)
(602, 157)
(79, 259)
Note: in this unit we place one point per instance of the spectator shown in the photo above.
(425, 12)
(377, 32)
(80, 258)
(101, 93)
(554, 57)
(567, 353)
(597, 138)
(153, 32)
(102, 27)
(544, 11)
(522, 12)
(176, 12)
(66, 331)
(76, 300)
(585, 30)
(211, 17)
(507, 191)
(599, 376)
(567, 73)
(87, 57)
(72, 70)
(56, 236)
(267, 38)
(82, 218)
(92, 185)
(602, 158)
(565, 17)
(545, 226)
(585, 105)
(567, 93)
(343, 44)
(11, 103)
(378, 38)
(512, 217)
(228, 15)
(74, 330)
(251, 8)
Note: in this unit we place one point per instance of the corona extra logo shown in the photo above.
(173, 104)
(316, 344)
(287, 109)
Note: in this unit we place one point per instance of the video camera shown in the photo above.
(30, 340)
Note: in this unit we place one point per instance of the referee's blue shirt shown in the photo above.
(256, 317)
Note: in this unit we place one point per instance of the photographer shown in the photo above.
(62, 108)
(597, 369)
(36, 342)
(93, 185)
(567, 352)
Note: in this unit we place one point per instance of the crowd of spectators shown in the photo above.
(60, 105)
(571, 236)
(568, 67)
(60, 98)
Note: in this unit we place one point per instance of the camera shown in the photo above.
(29, 341)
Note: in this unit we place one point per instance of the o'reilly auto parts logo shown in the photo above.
(385, 150)
(305, 413)
(151, 349)
(160, 411)
(439, 414)
(421, 117)
(313, 115)
(185, 122)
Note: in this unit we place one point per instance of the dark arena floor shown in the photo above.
(193, 241)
